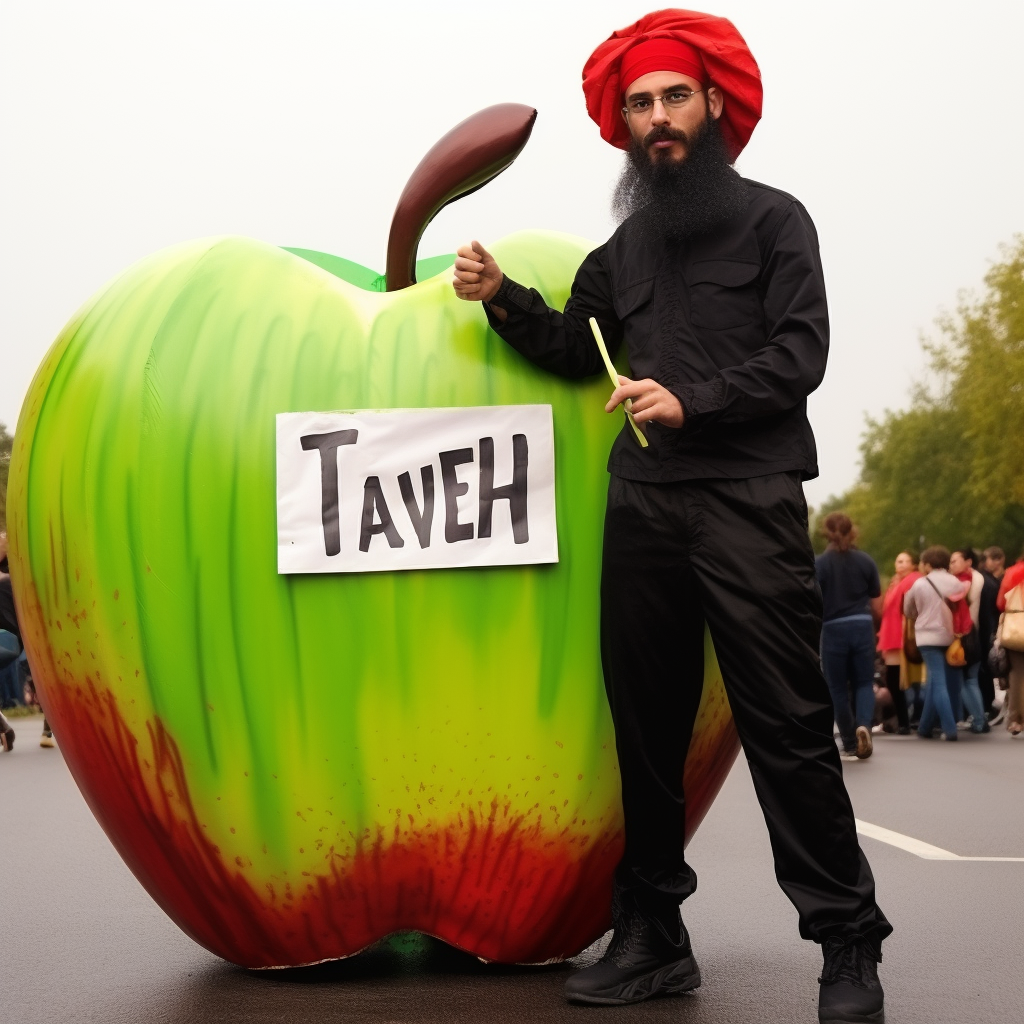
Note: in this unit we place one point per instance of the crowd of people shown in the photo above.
(928, 655)
(16, 687)
(940, 652)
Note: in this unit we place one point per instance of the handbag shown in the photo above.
(1011, 625)
(998, 659)
(972, 647)
(955, 654)
(910, 649)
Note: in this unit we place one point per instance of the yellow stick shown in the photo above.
(615, 380)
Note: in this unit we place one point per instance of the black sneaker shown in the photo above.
(849, 990)
(643, 960)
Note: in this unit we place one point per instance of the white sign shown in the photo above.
(415, 489)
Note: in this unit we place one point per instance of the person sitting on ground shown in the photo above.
(925, 605)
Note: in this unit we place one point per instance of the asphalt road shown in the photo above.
(80, 941)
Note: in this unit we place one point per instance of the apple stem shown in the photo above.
(470, 155)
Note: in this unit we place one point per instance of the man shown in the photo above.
(988, 622)
(995, 566)
(715, 286)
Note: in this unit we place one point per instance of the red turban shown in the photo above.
(700, 46)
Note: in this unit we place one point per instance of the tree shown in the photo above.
(983, 359)
(948, 470)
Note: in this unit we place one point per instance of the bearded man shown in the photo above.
(714, 285)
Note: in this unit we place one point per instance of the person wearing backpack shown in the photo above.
(1011, 635)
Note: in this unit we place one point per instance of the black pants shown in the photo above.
(736, 555)
(899, 700)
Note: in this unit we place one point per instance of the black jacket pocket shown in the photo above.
(631, 297)
(723, 293)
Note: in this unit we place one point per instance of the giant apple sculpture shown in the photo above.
(296, 766)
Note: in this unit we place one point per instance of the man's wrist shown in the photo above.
(494, 304)
(699, 399)
(511, 296)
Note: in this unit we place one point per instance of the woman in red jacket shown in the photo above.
(890, 633)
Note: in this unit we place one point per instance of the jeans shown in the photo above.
(972, 697)
(11, 683)
(848, 660)
(937, 707)
(915, 703)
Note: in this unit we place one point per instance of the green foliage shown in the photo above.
(6, 447)
(949, 469)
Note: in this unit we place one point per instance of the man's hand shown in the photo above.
(477, 276)
(650, 402)
(3, 546)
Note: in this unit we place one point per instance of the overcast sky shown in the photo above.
(130, 126)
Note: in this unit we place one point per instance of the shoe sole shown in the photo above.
(682, 976)
(857, 1018)
(864, 745)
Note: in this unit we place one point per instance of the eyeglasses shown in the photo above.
(641, 106)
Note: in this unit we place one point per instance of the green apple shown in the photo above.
(297, 766)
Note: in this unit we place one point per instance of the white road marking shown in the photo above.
(920, 849)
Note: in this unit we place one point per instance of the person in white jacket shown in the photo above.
(925, 605)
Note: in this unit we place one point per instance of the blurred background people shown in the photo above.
(9, 622)
(961, 565)
(851, 595)
(988, 622)
(925, 606)
(890, 636)
(1012, 583)
(995, 561)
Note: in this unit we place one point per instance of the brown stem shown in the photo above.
(470, 155)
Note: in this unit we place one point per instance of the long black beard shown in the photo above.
(667, 199)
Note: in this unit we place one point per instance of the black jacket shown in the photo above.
(734, 323)
(988, 610)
